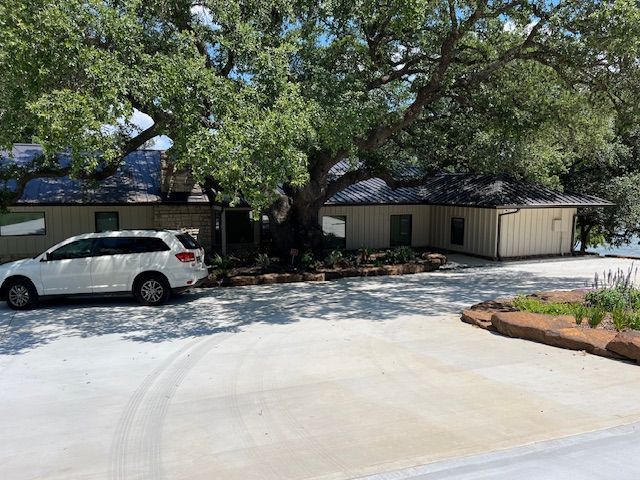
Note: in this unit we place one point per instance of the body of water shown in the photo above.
(630, 250)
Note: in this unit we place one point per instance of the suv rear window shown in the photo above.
(188, 241)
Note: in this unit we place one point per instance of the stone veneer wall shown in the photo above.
(194, 218)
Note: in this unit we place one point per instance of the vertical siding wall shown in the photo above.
(369, 225)
(62, 222)
(533, 232)
(480, 229)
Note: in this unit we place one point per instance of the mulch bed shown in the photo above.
(256, 276)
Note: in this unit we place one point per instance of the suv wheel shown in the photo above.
(21, 295)
(151, 290)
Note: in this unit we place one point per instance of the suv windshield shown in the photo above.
(188, 241)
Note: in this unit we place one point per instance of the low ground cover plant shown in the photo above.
(533, 305)
(614, 302)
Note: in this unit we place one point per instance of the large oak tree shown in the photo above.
(262, 98)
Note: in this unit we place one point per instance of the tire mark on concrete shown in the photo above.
(249, 441)
(293, 424)
(137, 447)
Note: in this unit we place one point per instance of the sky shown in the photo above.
(144, 121)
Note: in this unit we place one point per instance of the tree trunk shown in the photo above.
(584, 237)
(294, 224)
(294, 217)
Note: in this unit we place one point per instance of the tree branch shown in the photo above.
(22, 175)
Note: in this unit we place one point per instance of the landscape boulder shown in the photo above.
(479, 318)
(561, 296)
(626, 344)
(529, 326)
(577, 338)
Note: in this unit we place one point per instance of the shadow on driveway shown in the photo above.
(211, 311)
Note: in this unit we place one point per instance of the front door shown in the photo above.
(67, 270)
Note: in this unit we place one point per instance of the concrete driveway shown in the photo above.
(327, 381)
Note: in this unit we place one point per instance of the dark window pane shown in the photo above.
(239, 227)
(151, 244)
(77, 249)
(217, 228)
(457, 231)
(116, 246)
(334, 229)
(265, 229)
(400, 230)
(22, 223)
(107, 221)
(188, 241)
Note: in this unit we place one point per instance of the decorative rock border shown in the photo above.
(558, 331)
(432, 262)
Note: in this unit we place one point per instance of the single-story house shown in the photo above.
(489, 216)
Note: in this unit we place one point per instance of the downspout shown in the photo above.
(500, 215)
(573, 233)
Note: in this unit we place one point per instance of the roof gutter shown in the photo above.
(500, 215)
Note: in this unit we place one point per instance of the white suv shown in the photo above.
(148, 263)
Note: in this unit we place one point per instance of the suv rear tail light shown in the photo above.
(186, 257)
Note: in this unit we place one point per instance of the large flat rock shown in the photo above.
(561, 296)
(530, 326)
(626, 344)
(479, 318)
(578, 338)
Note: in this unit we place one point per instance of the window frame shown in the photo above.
(44, 221)
(95, 220)
(343, 245)
(89, 255)
(399, 217)
(451, 232)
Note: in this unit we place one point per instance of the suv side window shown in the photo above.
(115, 246)
(151, 244)
(77, 249)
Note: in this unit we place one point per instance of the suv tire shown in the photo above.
(21, 294)
(152, 289)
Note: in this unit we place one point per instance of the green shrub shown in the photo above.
(223, 263)
(334, 259)
(596, 315)
(608, 299)
(364, 255)
(399, 255)
(307, 261)
(263, 260)
(579, 311)
(622, 318)
(533, 305)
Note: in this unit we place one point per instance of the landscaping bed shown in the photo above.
(229, 271)
(603, 320)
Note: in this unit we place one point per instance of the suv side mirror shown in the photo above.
(45, 257)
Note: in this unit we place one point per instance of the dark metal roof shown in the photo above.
(138, 180)
(471, 190)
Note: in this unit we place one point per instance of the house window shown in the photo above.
(16, 224)
(400, 230)
(265, 229)
(334, 229)
(217, 227)
(107, 221)
(457, 231)
(239, 226)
